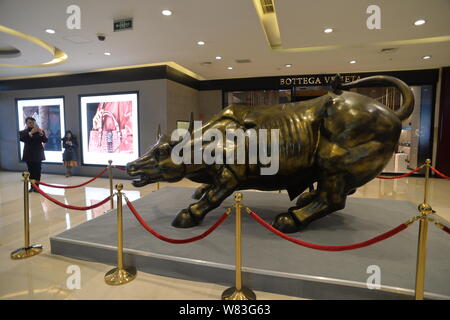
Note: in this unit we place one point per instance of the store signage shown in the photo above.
(123, 24)
(320, 80)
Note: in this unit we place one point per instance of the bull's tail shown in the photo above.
(408, 97)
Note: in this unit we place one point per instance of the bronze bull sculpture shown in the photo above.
(340, 140)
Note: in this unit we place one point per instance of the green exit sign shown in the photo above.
(123, 24)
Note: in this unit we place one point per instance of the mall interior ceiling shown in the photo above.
(224, 39)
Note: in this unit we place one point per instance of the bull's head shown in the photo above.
(156, 164)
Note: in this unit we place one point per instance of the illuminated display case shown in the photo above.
(109, 128)
(49, 116)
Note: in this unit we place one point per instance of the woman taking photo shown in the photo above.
(33, 151)
(70, 146)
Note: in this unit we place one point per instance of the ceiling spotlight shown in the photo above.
(426, 57)
(328, 30)
(353, 61)
(419, 22)
(230, 68)
(288, 65)
(166, 12)
(201, 43)
(51, 31)
(218, 58)
(107, 53)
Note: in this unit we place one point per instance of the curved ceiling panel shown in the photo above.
(57, 55)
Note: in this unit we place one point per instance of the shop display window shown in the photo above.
(416, 130)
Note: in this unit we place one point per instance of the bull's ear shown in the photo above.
(159, 132)
(191, 123)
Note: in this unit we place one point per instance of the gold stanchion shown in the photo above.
(238, 292)
(424, 209)
(157, 185)
(120, 275)
(28, 250)
(111, 190)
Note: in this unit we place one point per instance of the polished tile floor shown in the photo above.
(46, 276)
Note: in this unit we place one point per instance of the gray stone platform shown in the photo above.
(270, 263)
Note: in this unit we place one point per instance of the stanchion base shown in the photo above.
(23, 253)
(116, 276)
(243, 294)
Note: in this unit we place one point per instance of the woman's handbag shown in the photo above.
(105, 141)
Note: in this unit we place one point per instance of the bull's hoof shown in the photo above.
(184, 220)
(286, 223)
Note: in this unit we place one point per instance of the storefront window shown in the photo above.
(408, 155)
(307, 93)
(414, 144)
(258, 98)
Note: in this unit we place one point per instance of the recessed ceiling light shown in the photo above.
(419, 22)
(353, 61)
(107, 53)
(218, 58)
(288, 65)
(51, 31)
(230, 68)
(166, 12)
(426, 57)
(328, 30)
(201, 43)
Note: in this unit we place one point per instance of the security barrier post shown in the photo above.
(111, 189)
(28, 250)
(120, 275)
(424, 209)
(238, 292)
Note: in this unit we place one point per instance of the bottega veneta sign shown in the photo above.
(319, 80)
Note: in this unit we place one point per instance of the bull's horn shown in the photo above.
(191, 123)
(336, 84)
(158, 135)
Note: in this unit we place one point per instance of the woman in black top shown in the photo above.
(33, 151)
(70, 146)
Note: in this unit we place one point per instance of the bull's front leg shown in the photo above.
(225, 185)
(200, 191)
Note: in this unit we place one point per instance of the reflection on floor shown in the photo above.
(45, 276)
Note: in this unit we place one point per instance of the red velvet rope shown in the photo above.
(69, 206)
(439, 173)
(401, 176)
(446, 229)
(379, 238)
(170, 240)
(72, 187)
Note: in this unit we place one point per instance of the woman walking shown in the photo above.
(70, 145)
